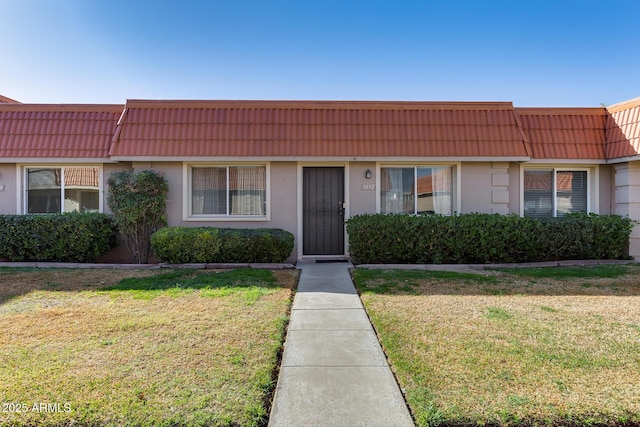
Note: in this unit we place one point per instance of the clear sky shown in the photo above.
(533, 53)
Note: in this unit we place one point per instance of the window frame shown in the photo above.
(23, 188)
(455, 182)
(591, 183)
(187, 206)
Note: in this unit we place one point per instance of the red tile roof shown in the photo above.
(565, 133)
(289, 129)
(623, 129)
(5, 100)
(317, 128)
(57, 131)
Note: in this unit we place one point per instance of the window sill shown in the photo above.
(257, 218)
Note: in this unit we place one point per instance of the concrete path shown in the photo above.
(333, 370)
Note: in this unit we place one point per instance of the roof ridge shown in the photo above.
(561, 110)
(313, 104)
(624, 105)
(7, 100)
(63, 107)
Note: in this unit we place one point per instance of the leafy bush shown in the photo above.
(138, 201)
(68, 237)
(485, 238)
(178, 245)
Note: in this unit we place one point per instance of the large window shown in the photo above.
(63, 189)
(228, 191)
(416, 189)
(554, 192)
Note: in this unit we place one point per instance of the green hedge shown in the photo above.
(177, 245)
(69, 237)
(485, 238)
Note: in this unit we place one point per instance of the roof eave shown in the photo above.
(626, 159)
(446, 159)
(569, 161)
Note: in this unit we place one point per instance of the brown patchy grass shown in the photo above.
(511, 350)
(175, 356)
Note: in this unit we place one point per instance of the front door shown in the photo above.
(323, 210)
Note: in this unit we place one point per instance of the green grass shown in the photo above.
(197, 279)
(141, 348)
(607, 271)
(518, 350)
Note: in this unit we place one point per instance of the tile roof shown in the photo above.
(289, 129)
(57, 131)
(318, 128)
(565, 133)
(5, 100)
(623, 129)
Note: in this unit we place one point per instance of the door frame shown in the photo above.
(347, 210)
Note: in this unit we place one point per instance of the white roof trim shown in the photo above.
(623, 159)
(567, 161)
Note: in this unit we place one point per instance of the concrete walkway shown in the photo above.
(333, 370)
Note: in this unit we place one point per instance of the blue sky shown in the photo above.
(533, 53)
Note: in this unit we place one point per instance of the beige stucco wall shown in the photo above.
(283, 192)
(8, 189)
(606, 189)
(362, 191)
(514, 188)
(627, 199)
(485, 187)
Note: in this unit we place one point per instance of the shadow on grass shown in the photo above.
(15, 282)
(622, 280)
(197, 279)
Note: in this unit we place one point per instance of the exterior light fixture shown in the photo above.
(367, 174)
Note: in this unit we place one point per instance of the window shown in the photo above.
(416, 189)
(554, 192)
(64, 189)
(228, 191)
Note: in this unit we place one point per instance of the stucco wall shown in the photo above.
(362, 191)
(283, 186)
(627, 197)
(514, 188)
(8, 189)
(607, 190)
(485, 187)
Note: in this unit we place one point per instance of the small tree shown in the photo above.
(138, 201)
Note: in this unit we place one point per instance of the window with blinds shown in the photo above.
(554, 193)
(228, 191)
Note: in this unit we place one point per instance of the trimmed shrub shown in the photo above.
(138, 201)
(68, 237)
(178, 245)
(485, 238)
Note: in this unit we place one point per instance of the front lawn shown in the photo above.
(140, 347)
(513, 347)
